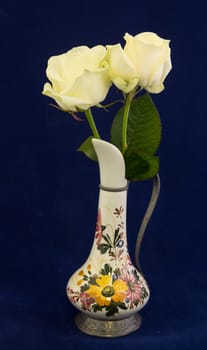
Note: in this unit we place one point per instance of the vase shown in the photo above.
(108, 290)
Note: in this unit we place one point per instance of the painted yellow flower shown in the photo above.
(106, 291)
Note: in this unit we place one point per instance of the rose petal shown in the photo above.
(121, 69)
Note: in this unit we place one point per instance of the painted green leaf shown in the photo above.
(88, 149)
(107, 239)
(106, 270)
(122, 306)
(143, 138)
(92, 281)
(103, 247)
(144, 292)
(116, 236)
(117, 272)
(111, 310)
(84, 288)
(97, 307)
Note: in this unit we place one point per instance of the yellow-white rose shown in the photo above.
(79, 79)
(145, 62)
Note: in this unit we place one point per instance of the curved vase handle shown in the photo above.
(147, 216)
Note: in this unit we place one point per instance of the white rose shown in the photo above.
(144, 62)
(79, 79)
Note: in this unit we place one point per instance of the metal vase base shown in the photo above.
(108, 329)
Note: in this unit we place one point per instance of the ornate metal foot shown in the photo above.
(107, 329)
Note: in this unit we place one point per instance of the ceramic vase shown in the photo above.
(108, 290)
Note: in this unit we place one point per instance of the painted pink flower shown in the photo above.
(134, 288)
(127, 263)
(86, 300)
(98, 234)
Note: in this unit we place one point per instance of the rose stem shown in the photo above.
(129, 98)
(92, 124)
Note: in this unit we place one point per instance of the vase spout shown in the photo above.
(111, 164)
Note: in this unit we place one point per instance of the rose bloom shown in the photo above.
(144, 62)
(79, 79)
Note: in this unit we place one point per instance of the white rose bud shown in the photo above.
(144, 62)
(79, 78)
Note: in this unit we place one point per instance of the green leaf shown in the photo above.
(88, 149)
(144, 126)
(143, 138)
(140, 167)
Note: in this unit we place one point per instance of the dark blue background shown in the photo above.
(49, 192)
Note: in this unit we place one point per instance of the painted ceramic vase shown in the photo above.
(108, 289)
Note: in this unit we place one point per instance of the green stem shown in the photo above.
(92, 124)
(129, 99)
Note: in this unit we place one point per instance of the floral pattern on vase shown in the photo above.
(117, 285)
